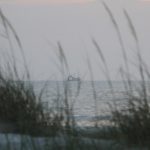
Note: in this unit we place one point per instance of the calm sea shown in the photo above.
(89, 100)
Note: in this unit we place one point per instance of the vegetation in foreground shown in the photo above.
(20, 107)
(21, 110)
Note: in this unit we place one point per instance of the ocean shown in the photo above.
(89, 100)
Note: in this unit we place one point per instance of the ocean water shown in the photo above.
(89, 100)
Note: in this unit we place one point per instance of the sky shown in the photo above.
(46, 1)
(40, 24)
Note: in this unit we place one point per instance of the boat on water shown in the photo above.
(71, 78)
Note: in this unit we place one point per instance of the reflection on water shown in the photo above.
(82, 99)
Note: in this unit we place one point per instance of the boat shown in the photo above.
(71, 78)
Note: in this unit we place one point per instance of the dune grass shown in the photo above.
(132, 120)
(22, 108)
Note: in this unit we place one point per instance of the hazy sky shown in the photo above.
(46, 1)
(42, 23)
